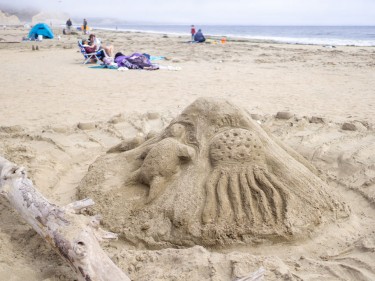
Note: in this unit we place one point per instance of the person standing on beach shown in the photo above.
(84, 26)
(69, 24)
(192, 31)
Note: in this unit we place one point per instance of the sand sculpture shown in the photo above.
(212, 177)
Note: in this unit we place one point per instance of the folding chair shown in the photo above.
(98, 55)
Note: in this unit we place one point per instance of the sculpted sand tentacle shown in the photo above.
(245, 187)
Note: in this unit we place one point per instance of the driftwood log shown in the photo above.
(74, 236)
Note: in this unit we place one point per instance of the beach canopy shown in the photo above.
(41, 29)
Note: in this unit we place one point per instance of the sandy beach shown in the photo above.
(58, 116)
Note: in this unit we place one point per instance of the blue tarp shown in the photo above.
(41, 29)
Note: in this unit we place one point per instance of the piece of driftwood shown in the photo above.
(74, 236)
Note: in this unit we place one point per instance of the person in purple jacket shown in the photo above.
(134, 61)
(199, 37)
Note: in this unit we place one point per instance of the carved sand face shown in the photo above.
(177, 130)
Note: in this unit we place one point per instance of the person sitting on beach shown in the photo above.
(93, 41)
(101, 54)
(134, 61)
(199, 37)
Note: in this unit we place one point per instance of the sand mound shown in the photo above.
(212, 177)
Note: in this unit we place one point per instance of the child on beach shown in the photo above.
(89, 48)
(192, 31)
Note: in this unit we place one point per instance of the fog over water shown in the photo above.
(245, 12)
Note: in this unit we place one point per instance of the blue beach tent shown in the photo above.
(41, 29)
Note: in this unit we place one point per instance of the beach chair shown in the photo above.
(98, 55)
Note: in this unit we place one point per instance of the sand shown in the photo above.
(58, 116)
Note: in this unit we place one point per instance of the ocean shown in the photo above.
(315, 35)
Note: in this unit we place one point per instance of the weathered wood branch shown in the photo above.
(74, 236)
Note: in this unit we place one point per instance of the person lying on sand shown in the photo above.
(134, 61)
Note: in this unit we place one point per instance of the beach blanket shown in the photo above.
(103, 66)
(157, 58)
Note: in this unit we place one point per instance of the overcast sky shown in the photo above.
(252, 12)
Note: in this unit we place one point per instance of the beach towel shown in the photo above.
(102, 66)
(153, 58)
